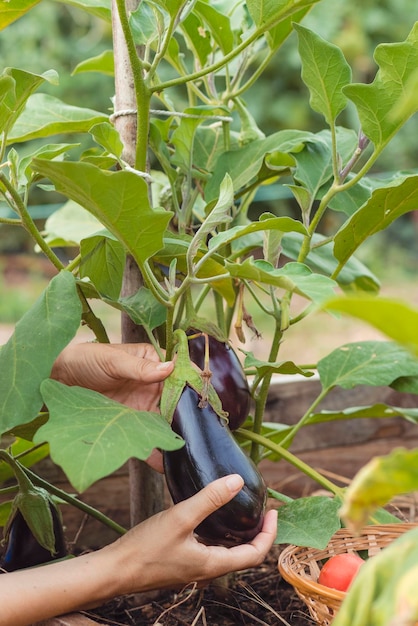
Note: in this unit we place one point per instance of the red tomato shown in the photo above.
(339, 571)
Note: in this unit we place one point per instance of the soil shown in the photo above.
(255, 596)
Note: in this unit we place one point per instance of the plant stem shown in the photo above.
(86, 508)
(29, 224)
(291, 434)
(91, 320)
(292, 459)
(228, 57)
(262, 394)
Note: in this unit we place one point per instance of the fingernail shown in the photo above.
(164, 366)
(234, 482)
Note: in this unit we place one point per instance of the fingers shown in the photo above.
(195, 509)
(138, 368)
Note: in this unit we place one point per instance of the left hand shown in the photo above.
(130, 373)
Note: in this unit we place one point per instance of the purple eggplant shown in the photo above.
(23, 550)
(228, 377)
(210, 452)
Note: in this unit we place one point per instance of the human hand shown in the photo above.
(163, 551)
(130, 373)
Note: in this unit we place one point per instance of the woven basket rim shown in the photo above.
(310, 587)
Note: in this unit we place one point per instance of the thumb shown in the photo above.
(141, 369)
(149, 371)
(210, 498)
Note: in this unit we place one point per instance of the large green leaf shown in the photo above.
(26, 359)
(325, 72)
(360, 412)
(218, 24)
(397, 320)
(366, 363)
(354, 276)
(103, 262)
(308, 521)
(103, 63)
(69, 224)
(45, 115)
(295, 277)
(244, 163)
(119, 200)
(378, 103)
(384, 206)
(12, 11)
(90, 436)
(270, 12)
(377, 482)
(16, 87)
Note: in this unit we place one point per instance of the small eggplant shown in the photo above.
(210, 452)
(22, 548)
(228, 377)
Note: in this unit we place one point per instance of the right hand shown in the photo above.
(163, 551)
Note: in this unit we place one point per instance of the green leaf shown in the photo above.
(119, 200)
(277, 35)
(384, 206)
(325, 72)
(46, 115)
(177, 246)
(26, 359)
(98, 8)
(310, 521)
(103, 262)
(185, 373)
(184, 136)
(281, 367)
(103, 63)
(48, 151)
(314, 166)
(366, 363)
(147, 23)
(397, 320)
(244, 163)
(269, 12)
(218, 24)
(354, 276)
(144, 309)
(16, 88)
(91, 436)
(377, 103)
(377, 482)
(107, 136)
(265, 223)
(295, 277)
(360, 412)
(12, 11)
(218, 214)
(29, 458)
(68, 225)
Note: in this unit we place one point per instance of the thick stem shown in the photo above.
(262, 394)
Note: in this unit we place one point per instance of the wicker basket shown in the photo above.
(301, 566)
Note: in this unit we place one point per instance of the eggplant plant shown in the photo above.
(176, 202)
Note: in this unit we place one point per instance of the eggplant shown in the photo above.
(22, 548)
(228, 376)
(210, 452)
